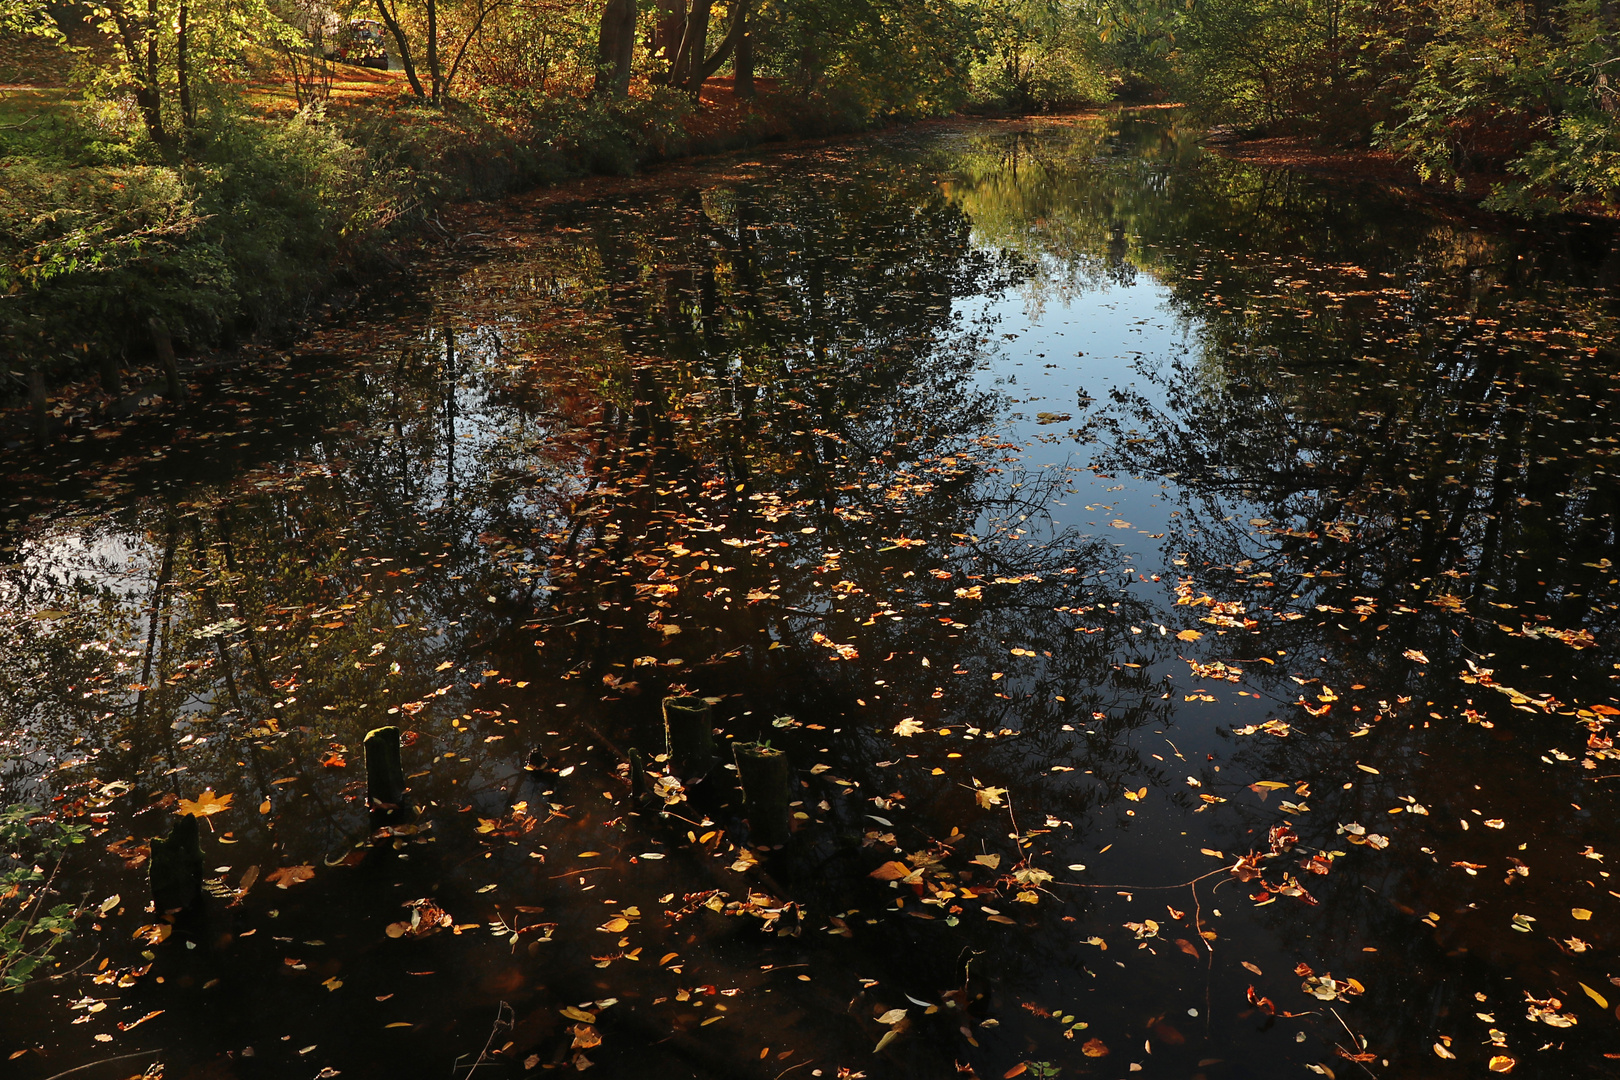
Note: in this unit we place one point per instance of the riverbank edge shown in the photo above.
(1383, 168)
(77, 406)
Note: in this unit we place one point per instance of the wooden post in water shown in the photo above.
(638, 773)
(38, 406)
(689, 737)
(766, 776)
(112, 380)
(385, 775)
(164, 344)
(176, 868)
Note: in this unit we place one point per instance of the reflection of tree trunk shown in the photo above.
(615, 48)
(223, 524)
(159, 604)
(450, 383)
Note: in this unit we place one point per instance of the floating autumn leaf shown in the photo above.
(990, 861)
(909, 727)
(1441, 1051)
(989, 796)
(893, 1016)
(845, 652)
(1189, 635)
(1501, 1063)
(1136, 796)
(1580, 913)
(1094, 1048)
(891, 871)
(1413, 654)
(205, 804)
(288, 876)
(1603, 1002)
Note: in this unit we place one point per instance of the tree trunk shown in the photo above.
(743, 65)
(689, 56)
(182, 64)
(702, 71)
(433, 50)
(667, 34)
(133, 34)
(403, 45)
(615, 48)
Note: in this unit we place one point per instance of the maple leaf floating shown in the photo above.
(289, 876)
(205, 804)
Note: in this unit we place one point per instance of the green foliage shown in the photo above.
(29, 931)
(1480, 81)
(32, 17)
(1037, 54)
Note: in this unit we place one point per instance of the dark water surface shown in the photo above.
(1173, 573)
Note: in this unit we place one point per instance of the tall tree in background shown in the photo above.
(616, 48)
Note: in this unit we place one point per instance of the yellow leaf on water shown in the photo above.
(1094, 1048)
(991, 861)
(1136, 796)
(1189, 635)
(1441, 1051)
(1603, 1002)
(615, 925)
(1501, 1063)
(891, 871)
(893, 1016)
(1580, 913)
(205, 804)
(578, 1014)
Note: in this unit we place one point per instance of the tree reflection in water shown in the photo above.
(735, 433)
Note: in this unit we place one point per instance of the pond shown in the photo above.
(1185, 595)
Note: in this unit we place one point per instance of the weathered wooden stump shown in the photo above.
(112, 380)
(385, 775)
(38, 407)
(638, 774)
(175, 869)
(766, 776)
(689, 737)
(163, 344)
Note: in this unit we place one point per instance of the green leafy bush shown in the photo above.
(30, 931)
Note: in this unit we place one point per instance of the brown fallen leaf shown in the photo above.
(288, 876)
(891, 871)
